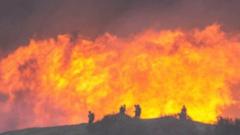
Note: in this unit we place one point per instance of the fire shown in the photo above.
(57, 80)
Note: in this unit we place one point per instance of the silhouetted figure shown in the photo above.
(183, 113)
(122, 110)
(91, 117)
(138, 111)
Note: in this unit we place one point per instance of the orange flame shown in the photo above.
(56, 81)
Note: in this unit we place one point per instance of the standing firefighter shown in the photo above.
(138, 111)
(91, 117)
(122, 110)
(183, 113)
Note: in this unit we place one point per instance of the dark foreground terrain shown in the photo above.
(124, 125)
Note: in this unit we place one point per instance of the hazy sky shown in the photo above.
(23, 19)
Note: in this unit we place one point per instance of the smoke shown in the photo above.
(23, 19)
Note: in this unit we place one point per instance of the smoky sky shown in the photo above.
(21, 20)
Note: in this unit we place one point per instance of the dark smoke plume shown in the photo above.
(24, 19)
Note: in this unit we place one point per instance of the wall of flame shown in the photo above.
(57, 80)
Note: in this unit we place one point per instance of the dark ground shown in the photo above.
(125, 125)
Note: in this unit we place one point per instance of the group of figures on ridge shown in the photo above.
(137, 113)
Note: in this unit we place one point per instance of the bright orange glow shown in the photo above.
(56, 81)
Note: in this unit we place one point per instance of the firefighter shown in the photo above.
(91, 117)
(183, 113)
(122, 110)
(138, 111)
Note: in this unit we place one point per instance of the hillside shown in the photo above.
(119, 125)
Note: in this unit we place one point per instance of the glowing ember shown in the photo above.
(56, 81)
